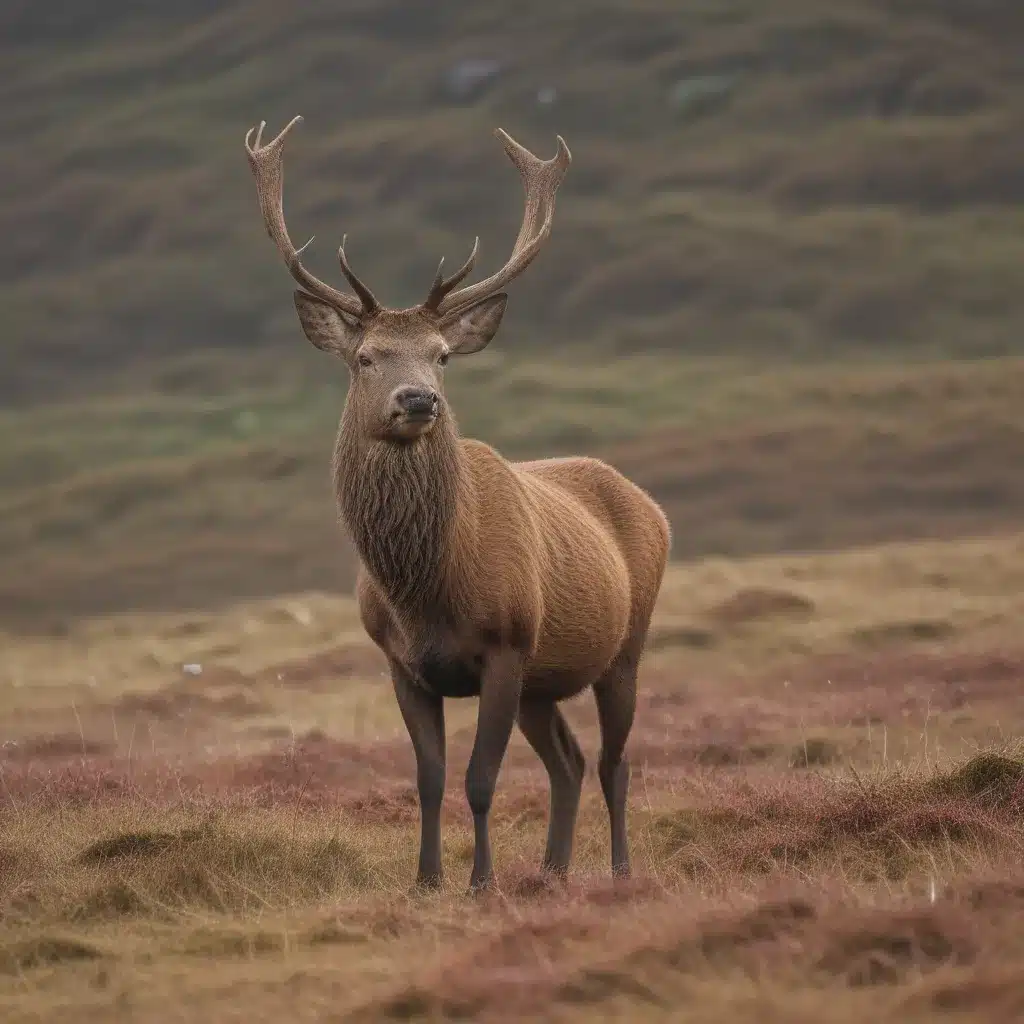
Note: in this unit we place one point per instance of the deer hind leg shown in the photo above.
(547, 731)
(423, 713)
(616, 706)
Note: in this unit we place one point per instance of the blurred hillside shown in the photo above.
(799, 175)
(789, 233)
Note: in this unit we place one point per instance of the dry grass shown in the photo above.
(827, 815)
(843, 892)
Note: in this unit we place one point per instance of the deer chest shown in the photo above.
(450, 675)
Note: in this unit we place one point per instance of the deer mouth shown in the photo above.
(413, 419)
(407, 426)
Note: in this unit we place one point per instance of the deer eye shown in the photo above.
(443, 359)
(365, 360)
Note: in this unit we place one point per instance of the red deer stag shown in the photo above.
(522, 583)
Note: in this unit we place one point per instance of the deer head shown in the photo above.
(396, 357)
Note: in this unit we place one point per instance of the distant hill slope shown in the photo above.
(181, 501)
(797, 176)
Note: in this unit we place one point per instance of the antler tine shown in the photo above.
(369, 301)
(267, 164)
(541, 179)
(441, 287)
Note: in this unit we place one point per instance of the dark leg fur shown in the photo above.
(499, 707)
(547, 731)
(616, 705)
(423, 713)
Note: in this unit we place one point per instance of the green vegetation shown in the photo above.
(183, 500)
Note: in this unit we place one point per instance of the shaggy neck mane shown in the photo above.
(399, 502)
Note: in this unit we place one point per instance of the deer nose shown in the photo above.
(416, 400)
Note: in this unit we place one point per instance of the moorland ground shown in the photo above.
(208, 815)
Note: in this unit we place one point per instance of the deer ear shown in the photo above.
(327, 328)
(469, 330)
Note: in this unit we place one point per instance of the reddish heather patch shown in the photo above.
(946, 821)
(651, 703)
(540, 921)
(178, 702)
(328, 668)
(989, 894)
(314, 765)
(524, 804)
(949, 680)
(878, 829)
(379, 919)
(57, 746)
(870, 948)
(396, 806)
(715, 726)
(532, 936)
(524, 884)
(94, 780)
(753, 603)
(537, 959)
(987, 993)
(729, 734)
(313, 771)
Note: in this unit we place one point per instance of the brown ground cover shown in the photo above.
(827, 815)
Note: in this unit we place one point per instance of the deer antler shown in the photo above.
(541, 179)
(267, 163)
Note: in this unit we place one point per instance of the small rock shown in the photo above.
(302, 615)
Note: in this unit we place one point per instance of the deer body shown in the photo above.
(572, 565)
(521, 583)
